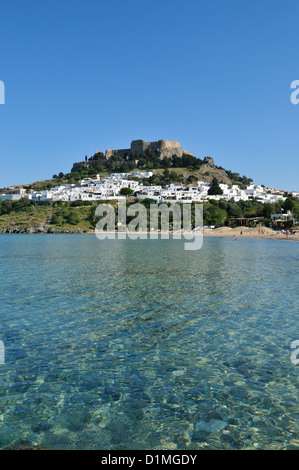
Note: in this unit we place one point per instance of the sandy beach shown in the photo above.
(237, 232)
(246, 232)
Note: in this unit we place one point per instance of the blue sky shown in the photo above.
(215, 75)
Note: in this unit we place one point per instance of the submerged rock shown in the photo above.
(214, 425)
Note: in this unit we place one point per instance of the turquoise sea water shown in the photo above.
(123, 344)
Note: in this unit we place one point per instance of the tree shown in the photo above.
(55, 220)
(215, 189)
(296, 213)
(72, 218)
(219, 216)
(126, 192)
(234, 210)
(290, 203)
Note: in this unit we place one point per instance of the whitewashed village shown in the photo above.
(106, 188)
(110, 187)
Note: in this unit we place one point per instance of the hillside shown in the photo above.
(158, 155)
(37, 216)
(186, 169)
(26, 216)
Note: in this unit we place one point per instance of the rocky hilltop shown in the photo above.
(160, 149)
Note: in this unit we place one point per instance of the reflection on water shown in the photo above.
(123, 344)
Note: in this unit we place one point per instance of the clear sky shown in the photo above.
(86, 75)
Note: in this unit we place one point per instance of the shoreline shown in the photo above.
(221, 232)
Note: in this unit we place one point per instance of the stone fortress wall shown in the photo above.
(120, 152)
(165, 148)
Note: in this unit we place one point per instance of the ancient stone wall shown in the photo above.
(138, 146)
(164, 148)
(142, 145)
(120, 152)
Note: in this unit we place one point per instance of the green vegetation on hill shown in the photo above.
(80, 215)
(54, 216)
(147, 161)
(177, 166)
(225, 212)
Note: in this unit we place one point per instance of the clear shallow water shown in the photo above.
(142, 345)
